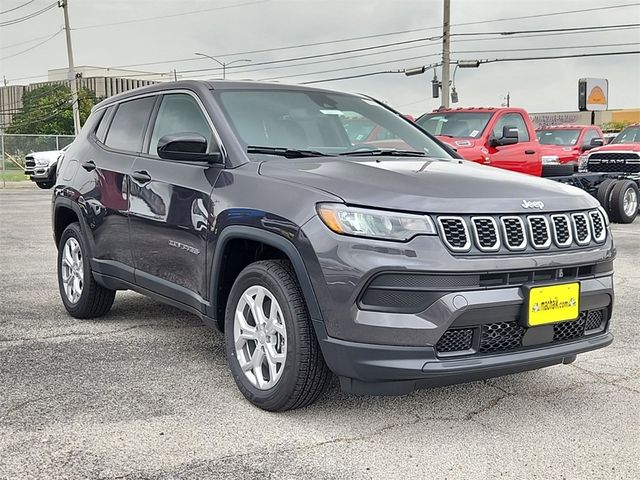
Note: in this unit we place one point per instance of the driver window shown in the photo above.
(179, 113)
(512, 120)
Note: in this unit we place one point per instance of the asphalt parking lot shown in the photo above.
(145, 393)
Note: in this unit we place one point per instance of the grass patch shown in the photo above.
(13, 176)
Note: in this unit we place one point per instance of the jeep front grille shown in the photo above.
(486, 233)
(455, 233)
(514, 234)
(524, 233)
(539, 230)
(561, 230)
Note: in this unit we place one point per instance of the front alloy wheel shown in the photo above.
(272, 349)
(260, 337)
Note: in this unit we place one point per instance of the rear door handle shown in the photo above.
(141, 176)
(89, 165)
(529, 152)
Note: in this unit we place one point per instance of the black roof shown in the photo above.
(210, 85)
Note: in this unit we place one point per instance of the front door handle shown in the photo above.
(89, 165)
(529, 152)
(141, 176)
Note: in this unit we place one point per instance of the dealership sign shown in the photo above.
(593, 94)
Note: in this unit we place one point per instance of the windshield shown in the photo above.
(328, 123)
(628, 135)
(557, 136)
(455, 124)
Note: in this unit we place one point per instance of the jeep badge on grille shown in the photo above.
(535, 204)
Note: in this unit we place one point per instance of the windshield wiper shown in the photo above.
(285, 152)
(384, 152)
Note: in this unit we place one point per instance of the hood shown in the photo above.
(612, 147)
(419, 185)
(47, 155)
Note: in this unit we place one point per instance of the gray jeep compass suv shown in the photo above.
(323, 232)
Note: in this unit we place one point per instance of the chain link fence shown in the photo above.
(13, 149)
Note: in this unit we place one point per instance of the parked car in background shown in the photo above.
(41, 167)
(618, 163)
(609, 136)
(499, 137)
(566, 143)
(250, 205)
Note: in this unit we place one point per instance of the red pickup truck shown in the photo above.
(500, 137)
(565, 143)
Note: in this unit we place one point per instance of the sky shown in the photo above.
(118, 33)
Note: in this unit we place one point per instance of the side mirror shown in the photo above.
(186, 147)
(595, 142)
(509, 137)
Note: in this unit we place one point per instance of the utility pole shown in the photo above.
(71, 75)
(446, 52)
(507, 100)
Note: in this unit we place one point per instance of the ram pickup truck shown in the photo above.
(566, 143)
(500, 137)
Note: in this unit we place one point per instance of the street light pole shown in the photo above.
(71, 75)
(223, 64)
(446, 52)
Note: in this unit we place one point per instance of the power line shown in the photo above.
(378, 35)
(28, 16)
(34, 46)
(160, 17)
(553, 57)
(518, 59)
(25, 42)
(16, 8)
(547, 30)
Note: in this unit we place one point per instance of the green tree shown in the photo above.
(47, 110)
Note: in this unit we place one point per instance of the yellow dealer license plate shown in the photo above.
(553, 303)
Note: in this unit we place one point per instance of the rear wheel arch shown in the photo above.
(237, 247)
(63, 217)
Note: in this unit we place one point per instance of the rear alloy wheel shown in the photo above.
(81, 295)
(624, 201)
(271, 347)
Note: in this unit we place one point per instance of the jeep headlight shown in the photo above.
(364, 222)
(550, 159)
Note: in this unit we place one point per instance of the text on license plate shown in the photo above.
(553, 303)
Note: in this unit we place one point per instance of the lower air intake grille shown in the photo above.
(569, 330)
(497, 337)
(594, 320)
(455, 341)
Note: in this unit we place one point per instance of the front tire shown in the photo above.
(271, 347)
(81, 295)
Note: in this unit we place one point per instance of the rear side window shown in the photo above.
(128, 125)
(180, 113)
(101, 131)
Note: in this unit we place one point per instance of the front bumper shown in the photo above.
(392, 370)
(38, 172)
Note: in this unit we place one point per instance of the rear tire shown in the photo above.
(303, 374)
(603, 194)
(81, 295)
(624, 201)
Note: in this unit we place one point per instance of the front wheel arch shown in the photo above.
(280, 244)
